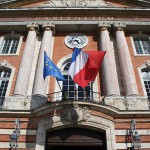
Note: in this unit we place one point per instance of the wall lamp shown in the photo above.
(133, 136)
(14, 136)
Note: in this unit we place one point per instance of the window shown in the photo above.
(146, 78)
(4, 80)
(71, 90)
(142, 45)
(10, 46)
(10, 43)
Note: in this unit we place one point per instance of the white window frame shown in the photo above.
(61, 65)
(138, 35)
(11, 35)
(144, 66)
(6, 65)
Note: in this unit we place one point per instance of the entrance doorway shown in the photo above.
(76, 139)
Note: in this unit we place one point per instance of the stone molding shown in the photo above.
(119, 26)
(4, 63)
(57, 122)
(33, 27)
(49, 26)
(76, 114)
(17, 3)
(104, 25)
(75, 3)
(82, 113)
(147, 63)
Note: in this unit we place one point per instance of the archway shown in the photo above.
(75, 139)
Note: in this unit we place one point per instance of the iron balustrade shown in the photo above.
(76, 95)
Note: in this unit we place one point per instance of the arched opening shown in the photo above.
(75, 139)
(74, 91)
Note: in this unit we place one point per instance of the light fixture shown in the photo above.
(14, 136)
(136, 141)
(135, 138)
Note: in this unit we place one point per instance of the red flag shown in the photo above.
(97, 57)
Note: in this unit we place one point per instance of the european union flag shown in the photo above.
(50, 69)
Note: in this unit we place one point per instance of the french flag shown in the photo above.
(85, 66)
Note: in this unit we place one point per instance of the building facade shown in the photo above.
(111, 112)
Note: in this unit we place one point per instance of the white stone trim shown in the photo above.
(23, 132)
(141, 78)
(12, 34)
(95, 122)
(61, 66)
(20, 145)
(5, 64)
(125, 145)
(139, 34)
(140, 132)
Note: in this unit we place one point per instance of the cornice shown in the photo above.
(20, 3)
(99, 107)
(134, 3)
(44, 12)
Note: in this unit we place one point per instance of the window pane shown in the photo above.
(146, 78)
(10, 46)
(138, 45)
(74, 92)
(142, 45)
(4, 80)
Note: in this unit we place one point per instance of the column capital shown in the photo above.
(119, 26)
(49, 26)
(104, 25)
(33, 26)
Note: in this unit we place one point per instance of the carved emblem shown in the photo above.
(147, 63)
(4, 63)
(76, 3)
(76, 114)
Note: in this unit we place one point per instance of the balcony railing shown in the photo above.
(76, 95)
(56, 96)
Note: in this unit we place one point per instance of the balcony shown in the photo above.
(76, 95)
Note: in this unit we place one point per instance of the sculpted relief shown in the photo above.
(75, 3)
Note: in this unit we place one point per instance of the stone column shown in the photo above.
(109, 73)
(40, 86)
(26, 62)
(127, 69)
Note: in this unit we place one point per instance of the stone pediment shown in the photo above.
(73, 3)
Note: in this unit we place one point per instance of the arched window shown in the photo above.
(4, 80)
(72, 90)
(146, 79)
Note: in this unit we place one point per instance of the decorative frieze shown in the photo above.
(33, 26)
(147, 63)
(4, 63)
(75, 3)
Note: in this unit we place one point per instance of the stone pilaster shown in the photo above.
(26, 62)
(109, 73)
(40, 86)
(127, 69)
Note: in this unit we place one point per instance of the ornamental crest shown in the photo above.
(75, 3)
(76, 114)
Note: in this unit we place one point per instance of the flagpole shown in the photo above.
(92, 90)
